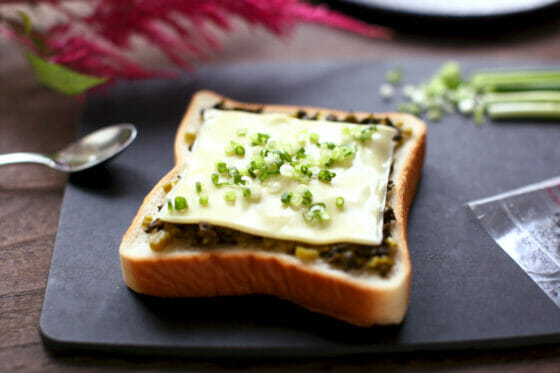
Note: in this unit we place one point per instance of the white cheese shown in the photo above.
(362, 182)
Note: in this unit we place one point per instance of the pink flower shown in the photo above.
(96, 42)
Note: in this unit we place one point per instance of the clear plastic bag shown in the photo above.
(526, 223)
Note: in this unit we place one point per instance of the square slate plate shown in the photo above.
(466, 292)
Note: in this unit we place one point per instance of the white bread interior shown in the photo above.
(357, 297)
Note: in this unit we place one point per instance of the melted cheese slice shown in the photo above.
(362, 182)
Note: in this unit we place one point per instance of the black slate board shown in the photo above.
(466, 292)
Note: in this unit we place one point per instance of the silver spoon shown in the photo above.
(87, 152)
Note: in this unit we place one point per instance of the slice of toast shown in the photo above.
(360, 296)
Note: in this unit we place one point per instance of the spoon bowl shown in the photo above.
(89, 151)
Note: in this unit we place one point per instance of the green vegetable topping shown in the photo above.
(394, 76)
(504, 94)
(286, 197)
(339, 202)
(170, 206)
(359, 132)
(242, 132)
(230, 196)
(234, 148)
(326, 175)
(215, 179)
(203, 199)
(307, 197)
(259, 138)
(317, 212)
(314, 138)
(386, 91)
(198, 187)
(246, 192)
(180, 203)
(221, 167)
(300, 154)
(240, 150)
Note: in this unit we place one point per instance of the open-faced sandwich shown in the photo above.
(305, 204)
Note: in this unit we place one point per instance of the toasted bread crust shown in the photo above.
(233, 271)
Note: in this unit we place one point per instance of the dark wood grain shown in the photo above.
(33, 118)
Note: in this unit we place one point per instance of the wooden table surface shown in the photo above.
(32, 118)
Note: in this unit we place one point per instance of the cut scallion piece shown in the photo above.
(203, 199)
(242, 132)
(240, 150)
(215, 179)
(221, 167)
(394, 76)
(317, 212)
(339, 202)
(259, 138)
(246, 192)
(180, 203)
(198, 186)
(307, 197)
(326, 175)
(230, 196)
(286, 197)
(314, 138)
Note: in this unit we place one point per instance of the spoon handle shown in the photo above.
(13, 158)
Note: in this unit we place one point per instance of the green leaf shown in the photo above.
(26, 23)
(61, 78)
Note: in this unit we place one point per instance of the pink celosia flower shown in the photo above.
(95, 42)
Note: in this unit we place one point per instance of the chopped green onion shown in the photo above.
(180, 203)
(170, 206)
(284, 156)
(301, 136)
(242, 132)
(300, 154)
(314, 138)
(307, 197)
(316, 212)
(198, 186)
(386, 91)
(235, 148)
(203, 199)
(296, 200)
(339, 202)
(246, 192)
(221, 167)
(230, 196)
(307, 216)
(286, 197)
(286, 170)
(326, 175)
(229, 150)
(410, 108)
(259, 138)
(394, 76)
(500, 94)
(215, 178)
(240, 150)
(435, 113)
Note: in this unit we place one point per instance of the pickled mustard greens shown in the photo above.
(502, 94)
